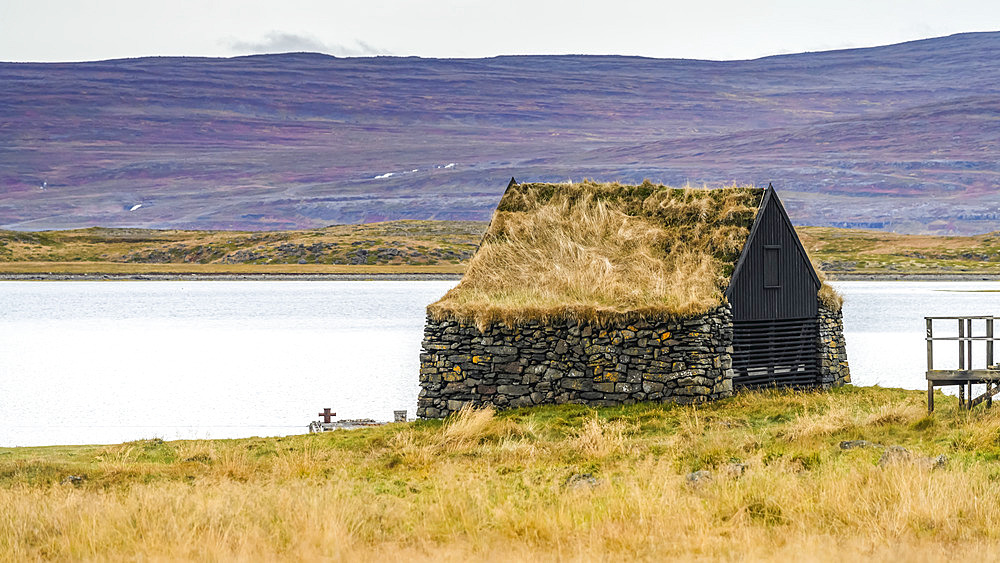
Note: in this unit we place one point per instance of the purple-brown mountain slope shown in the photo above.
(904, 137)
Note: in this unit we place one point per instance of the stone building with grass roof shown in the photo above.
(609, 294)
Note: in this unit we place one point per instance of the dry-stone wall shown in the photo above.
(833, 368)
(680, 360)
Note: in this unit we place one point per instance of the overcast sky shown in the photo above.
(68, 30)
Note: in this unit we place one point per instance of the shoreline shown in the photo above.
(390, 276)
(416, 276)
(943, 277)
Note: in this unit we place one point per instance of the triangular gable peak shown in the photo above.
(773, 277)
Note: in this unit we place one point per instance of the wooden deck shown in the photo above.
(987, 373)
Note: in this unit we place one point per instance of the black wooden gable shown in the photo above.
(773, 278)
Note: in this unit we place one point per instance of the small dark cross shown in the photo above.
(327, 415)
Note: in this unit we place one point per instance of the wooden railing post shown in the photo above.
(930, 344)
(961, 349)
(989, 342)
(968, 347)
(989, 361)
(930, 363)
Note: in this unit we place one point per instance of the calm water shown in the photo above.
(103, 362)
(884, 326)
(99, 362)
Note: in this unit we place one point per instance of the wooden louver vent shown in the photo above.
(776, 353)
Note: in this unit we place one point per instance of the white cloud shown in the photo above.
(283, 42)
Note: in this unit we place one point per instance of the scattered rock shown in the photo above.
(75, 480)
(359, 256)
(938, 462)
(735, 469)
(852, 444)
(893, 455)
(388, 253)
(241, 256)
(581, 480)
(699, 477)
(898, 454)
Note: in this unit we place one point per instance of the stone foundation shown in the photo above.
(680, 360)
(833, 368)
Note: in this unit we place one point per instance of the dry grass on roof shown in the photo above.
(603, 252)
(828, 296)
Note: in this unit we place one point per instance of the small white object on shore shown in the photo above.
(349, 424)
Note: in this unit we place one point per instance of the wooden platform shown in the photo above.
(966, 375)
(951, 375)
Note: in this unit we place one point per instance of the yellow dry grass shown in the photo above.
(130, 268)
(828, 296)
(602, 252)
(554, 483)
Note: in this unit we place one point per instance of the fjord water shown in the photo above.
(103, 362)
(885, 328)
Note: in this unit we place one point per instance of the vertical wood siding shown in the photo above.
(795, 296)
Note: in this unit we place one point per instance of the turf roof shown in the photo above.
(606, 252)
(603, 252)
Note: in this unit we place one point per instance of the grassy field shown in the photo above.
(129, 268)
(549, 483)
(398, 245)
(415, 246)
(877, 252)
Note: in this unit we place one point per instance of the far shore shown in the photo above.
(226, 272)
(422, 250)
(893, 276)
(339, 276)
(414, 276)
